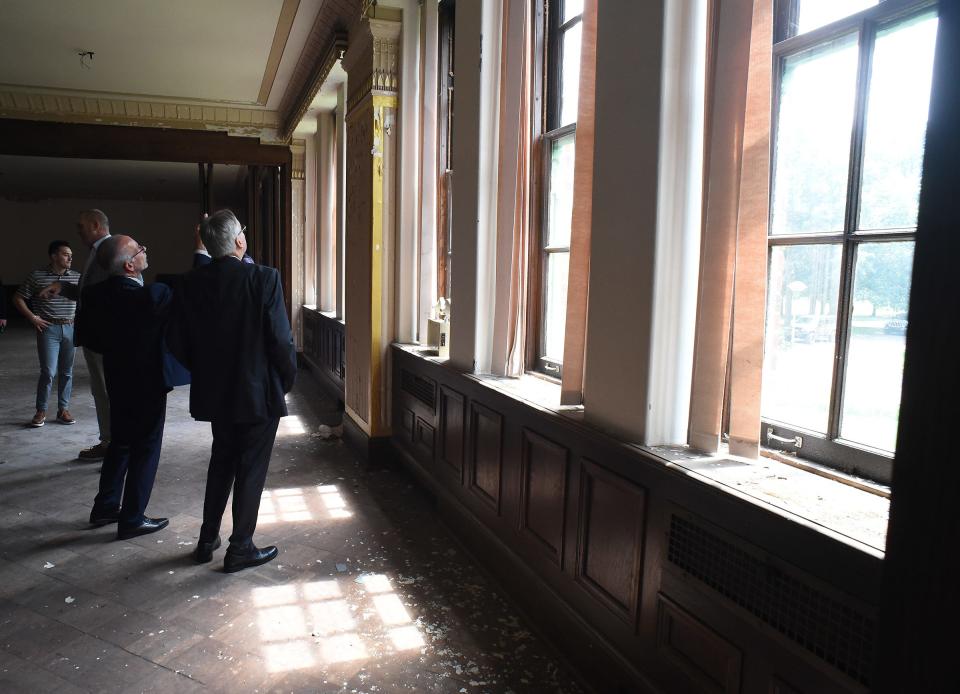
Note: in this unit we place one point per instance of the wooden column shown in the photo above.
(371, 65)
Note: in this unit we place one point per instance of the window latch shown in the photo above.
(796, 441)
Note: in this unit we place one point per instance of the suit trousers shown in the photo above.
(130, 466)
(98, 387)
(239, 460)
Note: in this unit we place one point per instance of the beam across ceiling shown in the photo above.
(47, 139)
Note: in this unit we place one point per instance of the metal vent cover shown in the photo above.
(423, 389)
(837, 633)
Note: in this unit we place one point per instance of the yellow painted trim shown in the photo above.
(376, 273)
(384, 101)
(357, 419)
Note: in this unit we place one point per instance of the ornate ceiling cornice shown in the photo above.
(327, 36)
(333, 53)
(236, 120)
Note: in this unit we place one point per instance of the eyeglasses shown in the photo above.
(141, 249)
(242, 229)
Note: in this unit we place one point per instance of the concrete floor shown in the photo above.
(369, 594)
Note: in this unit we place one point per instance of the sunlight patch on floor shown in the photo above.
(298, 504)
(291, 425)
(332, 621)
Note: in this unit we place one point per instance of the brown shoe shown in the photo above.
(39, 419)
(63, 416)
(95, 452)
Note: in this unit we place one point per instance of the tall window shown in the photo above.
(851, 99)
(561, 59)
(446, 21)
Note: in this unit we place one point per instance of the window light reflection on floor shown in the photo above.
(406, 638)
(391, 609)
(282, 657)
(297, 504)
(283, 505)
(291, 425)
(313, 624)
(343, 647)
(330, 617)
(335, 505)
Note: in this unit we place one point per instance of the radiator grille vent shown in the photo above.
(837, 633)
(423, 389)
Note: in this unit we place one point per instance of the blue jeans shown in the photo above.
(55, 349)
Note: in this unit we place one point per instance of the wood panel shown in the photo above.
(616, 543)
(452, 409)
(311, 336)
(407, 419)
(486, 461)
(612, 514)
(423, 440)
(323, 346)
(708, 661)
(544, 470)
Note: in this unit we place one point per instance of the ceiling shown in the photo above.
(180, 49)
(37, 178)
(221, 64)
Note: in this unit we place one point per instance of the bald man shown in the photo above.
(125, 321)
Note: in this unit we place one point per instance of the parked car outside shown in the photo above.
(895, 326)
(814, 328)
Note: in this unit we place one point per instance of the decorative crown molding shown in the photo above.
(372, 62)
(246, 122)
(386, 52)
(298, 149)
(329, 58)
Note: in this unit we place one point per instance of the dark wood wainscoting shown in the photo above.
(645, 576)
(324, 349)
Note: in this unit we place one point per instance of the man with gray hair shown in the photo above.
(93, 228)
(230, 329)
(125, 322)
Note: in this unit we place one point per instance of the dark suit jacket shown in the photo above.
(230, 329)
(92, 275)
(126, 323)
(200, 259)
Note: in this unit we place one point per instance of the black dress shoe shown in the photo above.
(144, 527)
(104, 517)
(204, 551)
(254, 557)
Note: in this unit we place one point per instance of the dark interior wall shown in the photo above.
(165, 227)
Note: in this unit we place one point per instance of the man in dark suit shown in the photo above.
(230, 329)
(200, 255)
(126, 321)
(93, 227)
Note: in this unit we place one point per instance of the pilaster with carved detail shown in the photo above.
(371, 62)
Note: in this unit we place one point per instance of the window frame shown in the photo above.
(830, 449)
(445, 104)
(548, 48)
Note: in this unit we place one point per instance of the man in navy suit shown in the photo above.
(230, 329)
(126, 322)
(200, 255)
